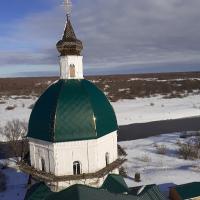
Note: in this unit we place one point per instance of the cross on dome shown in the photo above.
(68, 7)
(69, 44)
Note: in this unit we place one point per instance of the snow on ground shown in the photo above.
(16, 185)
(137, 110)
(142, 110)
(21, 109)
(163, 80)
(164, 170)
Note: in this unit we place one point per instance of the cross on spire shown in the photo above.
(69, 44)
(68, 7)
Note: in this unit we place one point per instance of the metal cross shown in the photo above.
(68, 7)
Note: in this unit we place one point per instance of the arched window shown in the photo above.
(107, 157)
(76, 168)
(43, 165)
(72, 70)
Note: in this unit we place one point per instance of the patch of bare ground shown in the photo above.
(170, 85)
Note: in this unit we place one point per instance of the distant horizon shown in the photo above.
(136, 36)
(56, 73)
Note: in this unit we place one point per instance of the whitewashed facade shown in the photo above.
(59, 158)
(71, 67)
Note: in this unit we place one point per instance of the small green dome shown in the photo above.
(71, 110)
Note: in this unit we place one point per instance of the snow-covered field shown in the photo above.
(155, 109)
(164, 170)
(137, 110)
(16, 185)
(21, 109)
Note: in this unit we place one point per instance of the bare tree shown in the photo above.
(190, 149)
(15, 132)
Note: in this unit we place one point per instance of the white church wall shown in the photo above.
(66, 61)
(94, 182)
(108, 145)
(68, 152)
(41, 150)
(90, 154)
(59, 157)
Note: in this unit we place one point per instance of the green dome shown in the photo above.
(71, 110)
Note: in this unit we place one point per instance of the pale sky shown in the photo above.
(128, 36)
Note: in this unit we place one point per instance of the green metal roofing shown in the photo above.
(189, 190)
(83, 192)
(151, 192)
(71, 110)
(115, 184)
(39, 191)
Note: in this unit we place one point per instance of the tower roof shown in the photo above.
(84, 192)
(69, 44)
(115, 184)
(72, 110)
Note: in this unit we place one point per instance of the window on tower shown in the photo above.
(43, 165)
(107, 157)
(72, 70)
(76, 168)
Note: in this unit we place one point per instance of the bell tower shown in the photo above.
(69, 47)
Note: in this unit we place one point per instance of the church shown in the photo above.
(72, 136)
